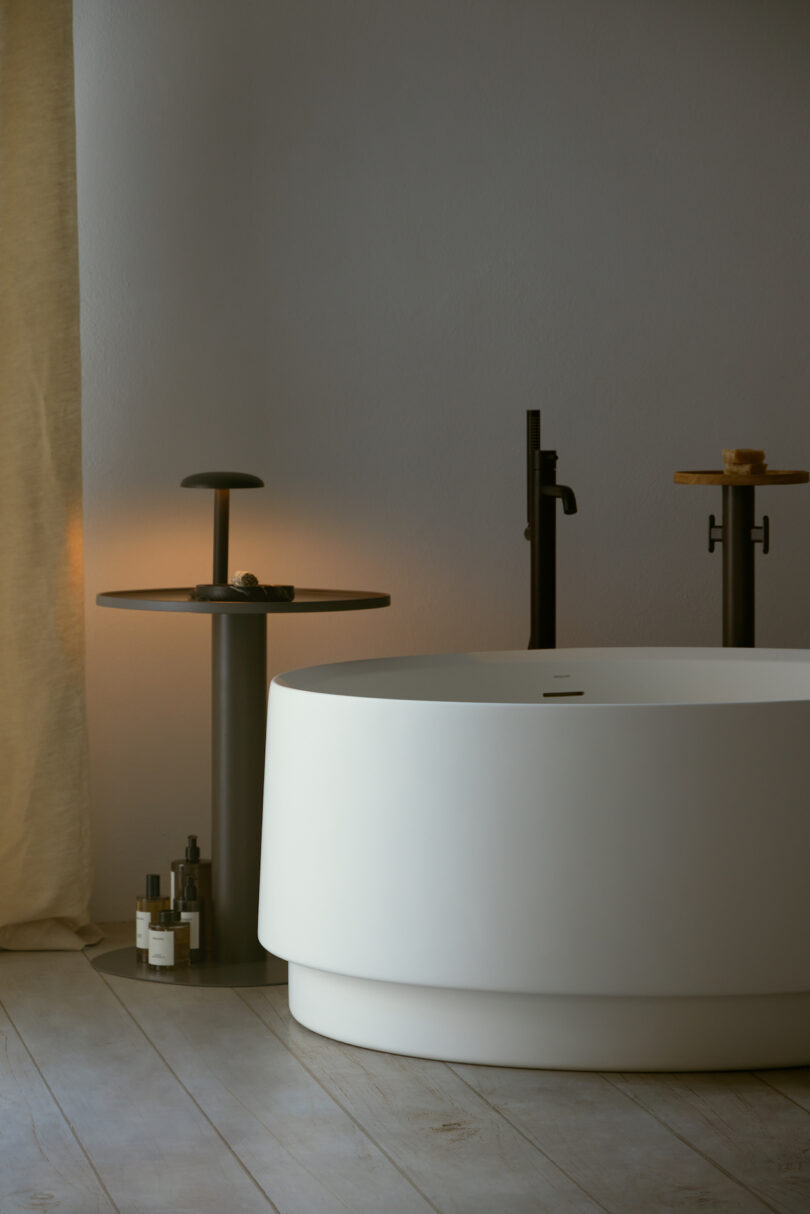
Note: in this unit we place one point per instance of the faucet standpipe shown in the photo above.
(541, 532)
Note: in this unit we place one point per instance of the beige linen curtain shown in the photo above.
(45, 867)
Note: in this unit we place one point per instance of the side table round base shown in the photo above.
(123, 963)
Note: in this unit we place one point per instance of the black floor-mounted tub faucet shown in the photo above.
(541, 532)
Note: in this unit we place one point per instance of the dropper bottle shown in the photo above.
(179, 876)
(191, 912)
(193, 868)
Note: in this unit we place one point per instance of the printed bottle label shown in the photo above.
(142, 921)
(192, 918)
(161, 947)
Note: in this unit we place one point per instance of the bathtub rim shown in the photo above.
(295, 680)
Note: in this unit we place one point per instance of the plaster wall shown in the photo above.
(344, 246)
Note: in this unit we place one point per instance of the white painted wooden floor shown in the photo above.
(135, 1097)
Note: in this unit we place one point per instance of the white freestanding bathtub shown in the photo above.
(574, 858)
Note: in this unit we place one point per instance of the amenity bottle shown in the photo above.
(191, 912)
(169, 942)
(147, 909)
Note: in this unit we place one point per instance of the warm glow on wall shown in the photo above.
(74, 545)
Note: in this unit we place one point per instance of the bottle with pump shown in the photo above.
(169, 942)
(191, 912)
(199, 871)
(147, 910)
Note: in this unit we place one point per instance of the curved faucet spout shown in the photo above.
(569, 501)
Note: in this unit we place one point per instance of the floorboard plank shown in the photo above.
(616, 1150)
(301, 1147)
(462, 1154)
(42, 1166)
(793, 1083)
(740, 1123)
(147, 1140)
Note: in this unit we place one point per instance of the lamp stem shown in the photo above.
(222, 507)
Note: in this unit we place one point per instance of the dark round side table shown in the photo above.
(239, 717)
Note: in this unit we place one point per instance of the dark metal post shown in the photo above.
(738, 566)
(546, 586)
(222, 509)
(534, 487)
(239, 716)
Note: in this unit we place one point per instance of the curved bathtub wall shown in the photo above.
(581, 858)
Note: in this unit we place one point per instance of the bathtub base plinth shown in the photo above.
(556, 1032)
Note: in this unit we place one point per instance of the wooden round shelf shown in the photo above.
(729, 478)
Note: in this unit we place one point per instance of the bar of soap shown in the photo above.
(745, 469)
(744, 461)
